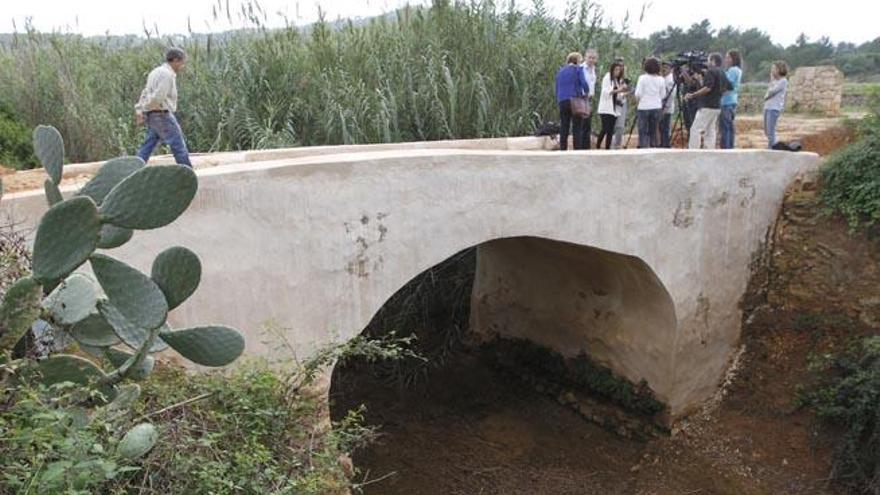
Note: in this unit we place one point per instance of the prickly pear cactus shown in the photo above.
(208, 346)
(21, 307)
(138, 441)
(178, 272)
(66, 237)
(49, 148)
(134, 294)
(123, 308)
(150, 198)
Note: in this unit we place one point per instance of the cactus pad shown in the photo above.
(117, 358)
(73, 300)
(111, 173)
(177, 271)
(131, 334)
(21, 306)
(208, 346)
(66, 368)
(137, 441)
(49, 148)
(113, 236)
(150, 198)
(134, 294)
(94, 331)
(67, 236)
(126, 396)
(53, 194)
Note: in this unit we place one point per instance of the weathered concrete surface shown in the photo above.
(577, 299)
(318, 244)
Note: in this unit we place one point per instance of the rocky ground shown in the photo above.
(473, 430)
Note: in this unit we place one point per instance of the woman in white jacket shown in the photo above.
(611, 102)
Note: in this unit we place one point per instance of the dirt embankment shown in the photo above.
(472, 429)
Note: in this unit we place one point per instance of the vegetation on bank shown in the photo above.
(251, 430)
(846, 399)
(851, 176)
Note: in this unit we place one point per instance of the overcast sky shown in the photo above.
(841, 20)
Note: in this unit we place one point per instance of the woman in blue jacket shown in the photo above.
(570, 83)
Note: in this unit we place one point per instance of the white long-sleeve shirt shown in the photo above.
(650, 90)
(160, 92)
(590, 74)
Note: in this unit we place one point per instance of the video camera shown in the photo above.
(695, 61)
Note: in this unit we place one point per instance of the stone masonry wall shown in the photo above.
(816, 89)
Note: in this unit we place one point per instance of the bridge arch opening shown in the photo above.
(523, 338)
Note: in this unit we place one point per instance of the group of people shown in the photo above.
(708, 93)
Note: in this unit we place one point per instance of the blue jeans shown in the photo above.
(771, 118)
(163, 126)
(725, 125)
(649, 121)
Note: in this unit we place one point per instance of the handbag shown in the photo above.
(580, 107)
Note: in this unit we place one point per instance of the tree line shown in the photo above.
(857, 62)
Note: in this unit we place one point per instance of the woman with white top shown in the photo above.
(650, 90)
(774, 99)
(611, 102)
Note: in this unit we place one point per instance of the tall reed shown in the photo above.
(448, 70)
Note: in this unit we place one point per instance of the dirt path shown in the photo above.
(473, 430)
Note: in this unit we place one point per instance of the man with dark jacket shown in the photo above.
(703, 130)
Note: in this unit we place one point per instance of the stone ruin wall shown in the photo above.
(816, 89)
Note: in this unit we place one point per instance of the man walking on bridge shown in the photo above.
(156, 109)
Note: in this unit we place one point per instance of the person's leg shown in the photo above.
(665, 121)
(178, 143)
(607, 131)
(723, 127)
(697, 130)
(150, 142)
(733, 126)
(169, 130)
(642, 124)
(711, 129)
(587, 129)
(620, 126)
(577, 132)
(654, 119)
(772, 117)
(564, 124)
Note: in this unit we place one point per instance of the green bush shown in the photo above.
(254, 430)
(16, 150)
(847, 398)
(851, 176)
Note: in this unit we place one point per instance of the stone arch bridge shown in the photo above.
(639, 258)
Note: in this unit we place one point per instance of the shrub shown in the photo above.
(848, 398)
(15, 142)
(851, 182)
(252, 430)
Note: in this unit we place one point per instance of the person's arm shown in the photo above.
(708, 83)
(639, 89)
(162, 87)
(582, 81)
(775, 88)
